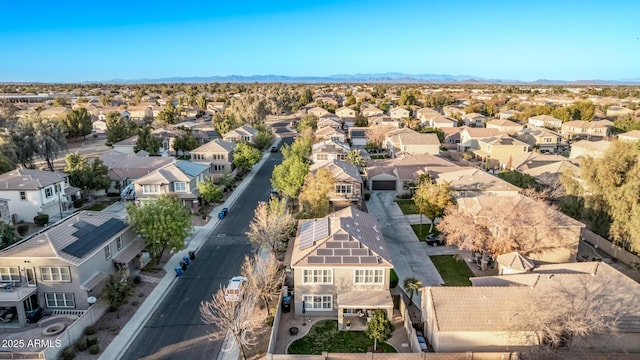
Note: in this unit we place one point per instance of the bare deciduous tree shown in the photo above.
(237, 319)
(528, 227)
(264, 277)
(270, 225)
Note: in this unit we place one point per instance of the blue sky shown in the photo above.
(74, 41)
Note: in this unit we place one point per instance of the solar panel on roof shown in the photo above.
(312, 231)
(333, 245)
(90, 236)
(333, 260)
(342, 252)
(360, 252)
(324, 252)
(315, 260)
(351, 245)
(368, 260)
(350, 260)
(340, 237)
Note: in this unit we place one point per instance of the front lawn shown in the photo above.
(324, 336)
(425, 230)
(407, 206)
(454, 272)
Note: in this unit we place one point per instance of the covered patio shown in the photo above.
(15, 301)
(358, 307)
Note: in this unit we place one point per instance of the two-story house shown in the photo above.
(474, 120)
(347, 183)
(399, 113)
(469, 137)
(341, 267)
(317, 111)
(326, 121)
(124, 168)
(328, 150)
(426, 114)
(441, 122)
(546, 121)
(31, 192)
(217, 154)
(331, 133)
(545, 140)
(578, 129)
(500, 149)
(371, 111)
(470, 182)
(504, 125)
(180, 178)
(594, 149)
(346, 112)
(59, 268)
(243, 133)
(408, 141)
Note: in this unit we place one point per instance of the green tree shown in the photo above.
(50, 138)
(379, 328)
(314, 196)
(6, 164)
(613, 182)
(355, 158)
(59, 101)
(148, 142)
(209, 191)
(407, 98)
(412, 286)
(8, 235)
(306, 97)
(300, 148)
(518, 179)
(87, 176)
(431, 200)
(185, 142)
(430, 130)
(288, 177)
(118, 128)
(163, 223)
(245, 156)
(117, 290)
(263, 138)
(78, 122)
(361, 121)
(170, 113)
(350, 100)
(307, 121)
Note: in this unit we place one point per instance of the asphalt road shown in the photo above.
(175, 330)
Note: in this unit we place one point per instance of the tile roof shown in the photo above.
(330, 146)
(124, 166)
(29, 179)
(473, 179)
(128, 141)
(515, 261)
(498, 122)
(348, 237)
(478, 133)
(216, 145)
(181, 170)
(340, 170)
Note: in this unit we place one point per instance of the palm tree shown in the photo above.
(412, 285)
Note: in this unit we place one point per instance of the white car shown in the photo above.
(235, 289)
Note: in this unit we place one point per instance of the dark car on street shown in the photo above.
(274, 149)
(434, 240)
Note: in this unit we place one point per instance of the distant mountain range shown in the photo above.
(398, 78)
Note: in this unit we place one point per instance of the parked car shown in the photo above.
(34, 315)
(423, 344)
(274, 148)
(235, 289)
(434, 240)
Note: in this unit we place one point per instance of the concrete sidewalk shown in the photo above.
(409, 255)
(194, 242)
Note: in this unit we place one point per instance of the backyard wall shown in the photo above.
(607, 246)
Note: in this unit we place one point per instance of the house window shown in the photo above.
(246, 138)
(119, 243)
(342, 157)
(58, 188)
(343, 188)
(369, 276)
(218, 167)
(548, 140)
(198, 157)
(218, 156)
(48, 192)
(60, 274)
(23, 195)
(9, 274)
(151, 189)
(322, 157)
(317, 276)
(318, 302)
(335, 138)
(180, 186)
(60, 300)
(107, 252)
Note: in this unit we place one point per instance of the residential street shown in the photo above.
(409, 256)
(175, 330)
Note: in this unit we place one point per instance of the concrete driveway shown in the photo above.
(410, 258)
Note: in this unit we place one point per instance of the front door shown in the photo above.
(31, 276)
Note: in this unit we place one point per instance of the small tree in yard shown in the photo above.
(412, 285)
(379, 328)
(163, 223)
(314, 196)
(270, 225)
(8, 235)
(432, 199)
(245, 156)
(117, 290)
(209, 191)
(264, 277)
(237, 319)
